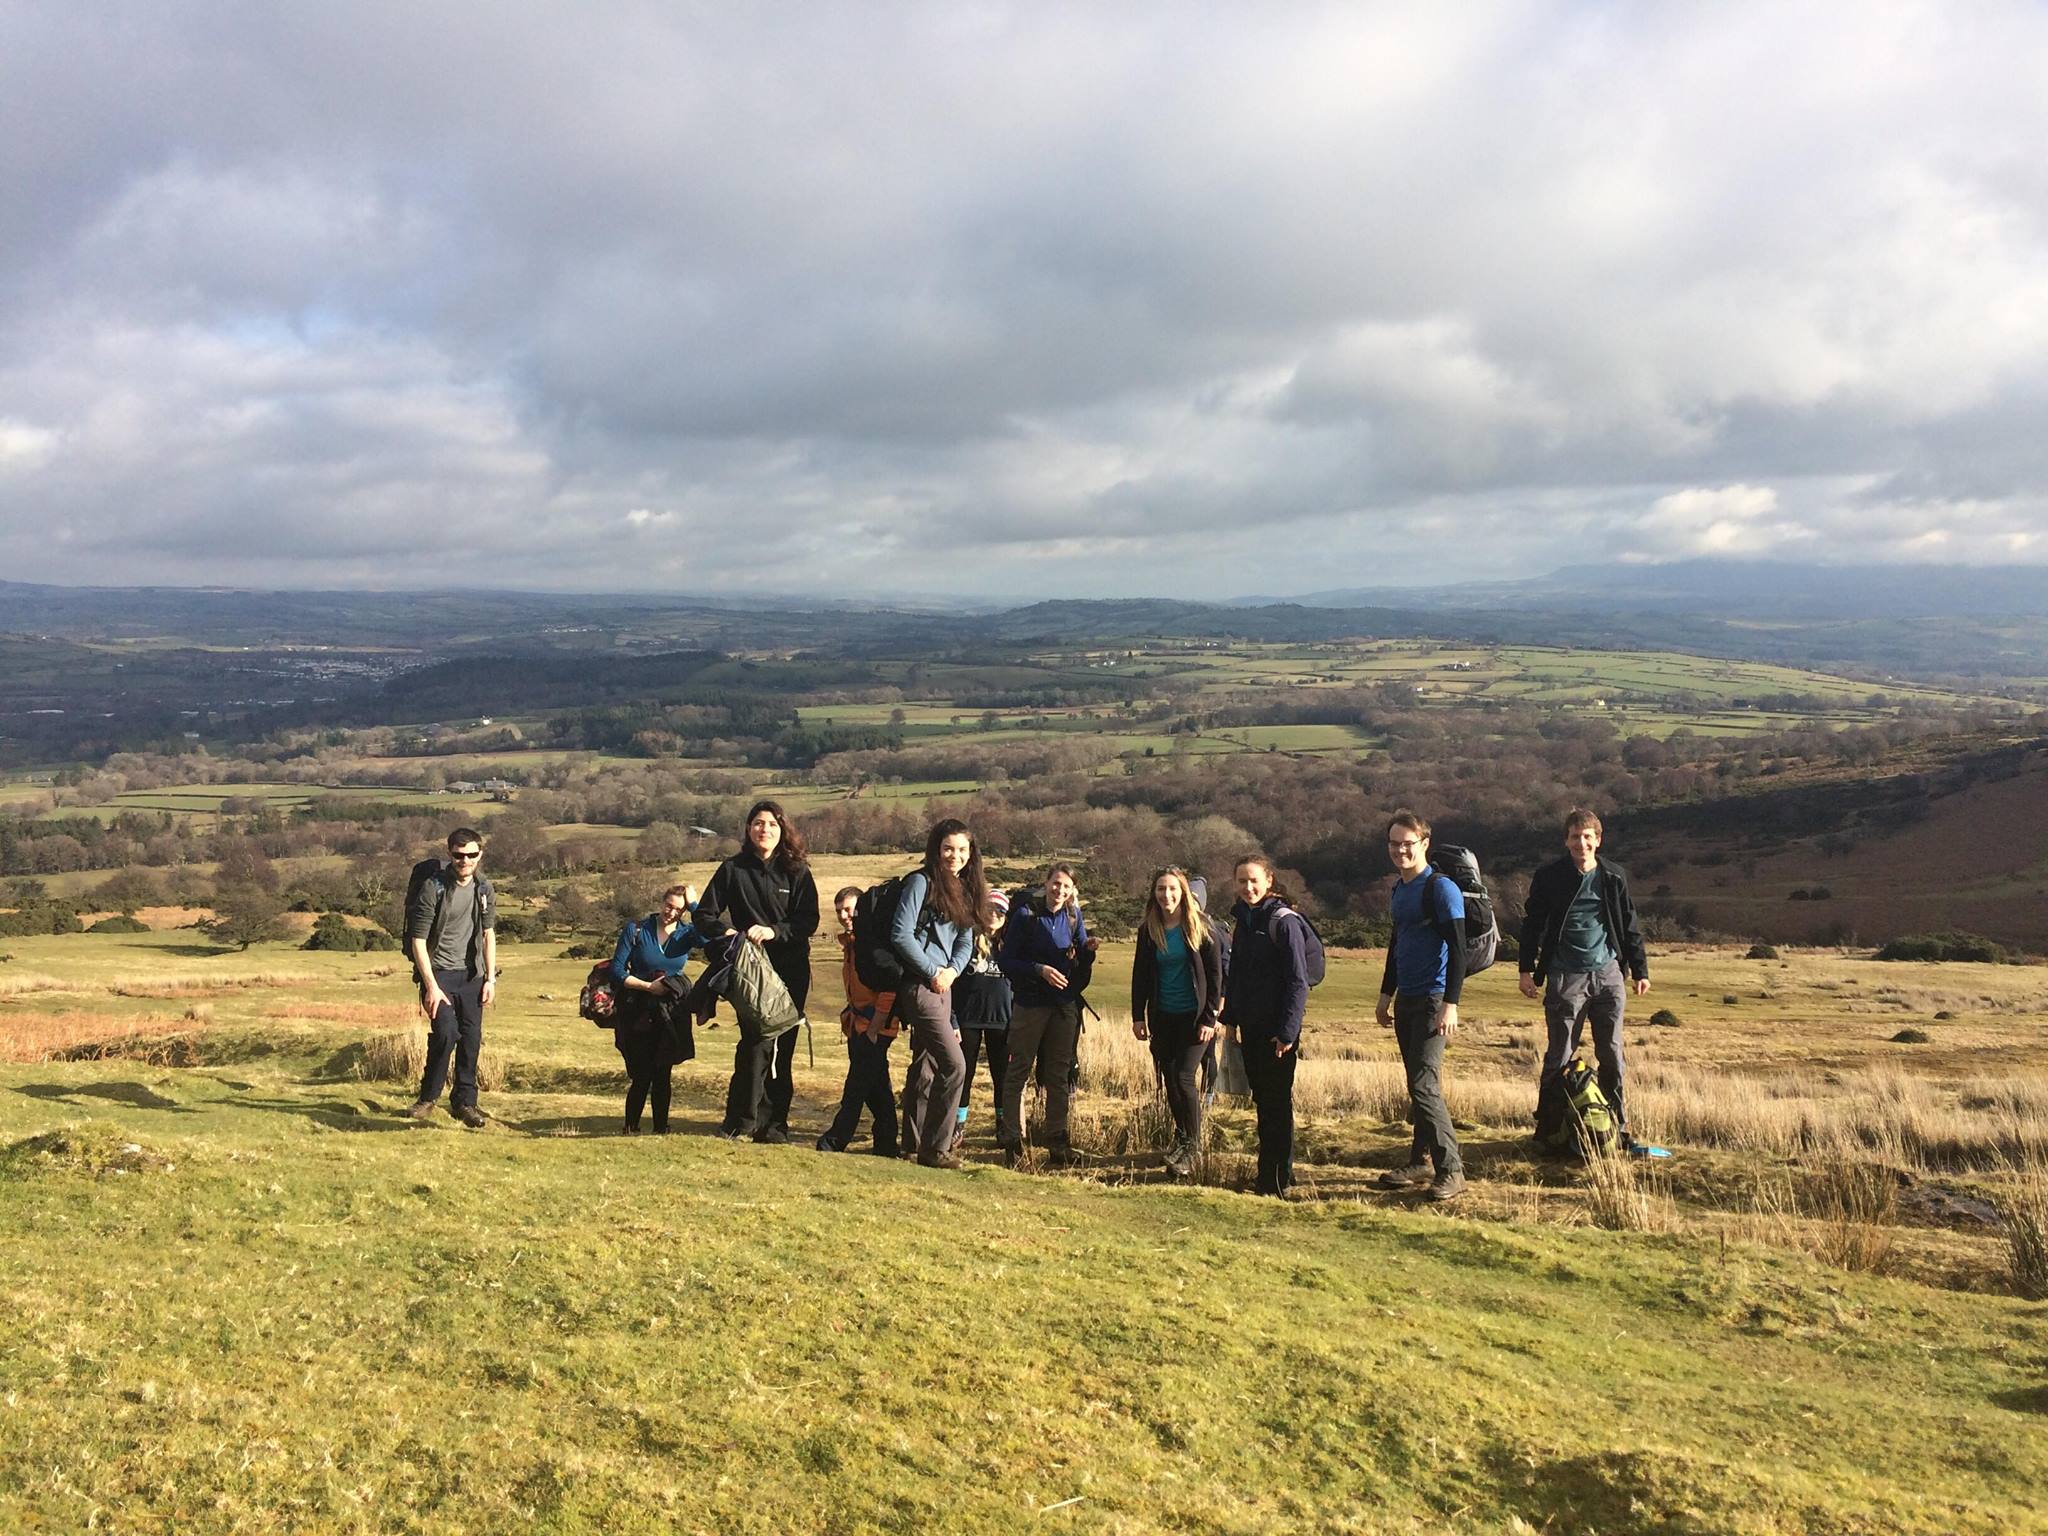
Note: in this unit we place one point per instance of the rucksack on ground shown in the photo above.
(1573, 1116)
(1460, 866)
(875, 960)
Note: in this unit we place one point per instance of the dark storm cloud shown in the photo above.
(1094, 298)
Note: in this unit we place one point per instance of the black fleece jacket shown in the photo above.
(745, 892)
(1552, 889)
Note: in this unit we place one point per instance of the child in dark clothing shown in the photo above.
(869, 1023)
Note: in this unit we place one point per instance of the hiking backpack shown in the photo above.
(875, 960)
(1573, 1115)
(422, 872)
(1315, 963)
(1460, 866)
(599, 999)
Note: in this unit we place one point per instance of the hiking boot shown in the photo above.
(774, 1136)
(470, 1116)
(632, 1130)
(424, 1110)
(1446, 1186)
(1414, 1176)
(1181, 1160)
(937, 1160)
(1013, 1153)
(1061, 1157)
(827, 1144)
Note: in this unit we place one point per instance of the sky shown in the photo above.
(983, 300)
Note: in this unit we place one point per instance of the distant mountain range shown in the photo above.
(1979, 625)
(1748, 589)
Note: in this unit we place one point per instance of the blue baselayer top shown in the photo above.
(648, 960)
(932, 945)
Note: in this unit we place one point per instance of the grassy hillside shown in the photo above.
(246, 1294)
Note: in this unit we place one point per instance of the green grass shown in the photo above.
(289, 1308)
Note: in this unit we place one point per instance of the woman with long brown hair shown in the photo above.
(932, 932)
(766, 891)
(1176, 986)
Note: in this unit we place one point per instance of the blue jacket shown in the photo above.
(1268, 992)
(1032, 938)
(926, 943)
(639, 954)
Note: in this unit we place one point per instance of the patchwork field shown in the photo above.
(246, 1293)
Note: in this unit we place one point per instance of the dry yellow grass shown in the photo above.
(77, 1035)
(400, 1056)
(380, 1016)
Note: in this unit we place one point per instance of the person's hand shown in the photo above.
(1384, 1011)
(1208, 1032)
(490, 991)
(1281, 1048)
(1447, 1020)
(1140, 1031)
(943, 981)
(1528, 984)
(432, 1001)
(760, 933)
(1054, 977)
(1642, 986)
(1092, 944)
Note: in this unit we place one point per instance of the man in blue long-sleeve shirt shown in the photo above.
(1419, 1001)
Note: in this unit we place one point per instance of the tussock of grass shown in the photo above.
(1624, 1195)
(400, 1056)
(2023, 1212)
(91, 1148)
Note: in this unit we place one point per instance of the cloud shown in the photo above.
(1730, 520)
(829, 296)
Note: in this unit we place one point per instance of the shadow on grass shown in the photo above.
(336, 1114)
(134, 1095)
(1609, 1490)
(2023, 1399)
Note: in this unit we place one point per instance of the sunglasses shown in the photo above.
(468, 853)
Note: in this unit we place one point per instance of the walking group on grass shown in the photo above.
(977, 974)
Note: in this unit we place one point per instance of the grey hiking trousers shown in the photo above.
(1571, 1001)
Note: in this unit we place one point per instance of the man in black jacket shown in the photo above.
(1578, 932)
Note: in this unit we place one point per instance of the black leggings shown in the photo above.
(650, 1061)
(998, 1058)
(1177, 1050)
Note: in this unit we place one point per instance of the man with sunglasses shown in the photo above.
(451, 932)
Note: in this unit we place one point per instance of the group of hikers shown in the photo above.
(977, 974)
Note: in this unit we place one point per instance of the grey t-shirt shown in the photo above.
(450, 952)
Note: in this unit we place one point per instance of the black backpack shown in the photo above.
(599, 999)
(875, 960)
(1315, 963)
(434, 868)
(1460, 866)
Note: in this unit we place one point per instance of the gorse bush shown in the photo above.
(1947, 945)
